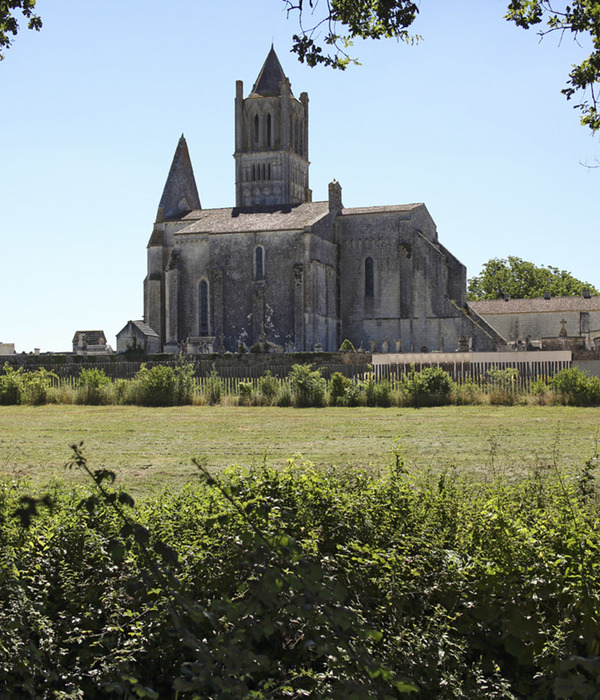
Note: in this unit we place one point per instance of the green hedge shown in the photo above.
(298, 583)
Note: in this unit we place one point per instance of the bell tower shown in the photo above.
(271, 141)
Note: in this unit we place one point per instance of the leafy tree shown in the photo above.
(520, 279)
(582, 19)
(345, 20)
(8, 22)
(341, 21)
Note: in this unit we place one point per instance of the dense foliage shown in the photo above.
(176, 385)
(298, 583)
(519, 279)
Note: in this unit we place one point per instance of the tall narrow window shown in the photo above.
(203, 320)
(369, 281)
(256, 129)
(269, 129)
(258, 263)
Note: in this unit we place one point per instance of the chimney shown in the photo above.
(335, 197)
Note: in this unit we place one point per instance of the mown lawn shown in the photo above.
(153, 447)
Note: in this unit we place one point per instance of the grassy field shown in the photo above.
(153, 447)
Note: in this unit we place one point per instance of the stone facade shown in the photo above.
(292, 274)
(550, 323)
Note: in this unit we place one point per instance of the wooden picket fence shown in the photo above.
(515, 372)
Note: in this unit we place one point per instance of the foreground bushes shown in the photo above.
(166, 385)
(298, 583)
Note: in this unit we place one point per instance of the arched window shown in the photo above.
(259, 263)
(256, 129)
(203, 317)
(269, 129)
(369, 281)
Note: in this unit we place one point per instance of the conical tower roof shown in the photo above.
(180, 195)
(268, 83)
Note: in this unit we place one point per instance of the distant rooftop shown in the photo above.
(539, 305)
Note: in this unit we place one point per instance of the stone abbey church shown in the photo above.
(290, 274)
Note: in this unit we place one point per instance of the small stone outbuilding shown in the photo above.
(137, 335)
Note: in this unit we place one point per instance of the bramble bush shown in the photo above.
(342, 391)
(432, 386)
(20, 387)
(576, 388)
(92, 387)
(162, 385)
(213, 388)
(268, 387)
(272, 583)
(308, 386)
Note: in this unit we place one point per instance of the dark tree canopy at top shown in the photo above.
(519, 279)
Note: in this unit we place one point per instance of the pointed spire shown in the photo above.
(180, 195)
(268, 83)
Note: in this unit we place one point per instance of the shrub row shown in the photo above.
(163, 385)
(298, 583)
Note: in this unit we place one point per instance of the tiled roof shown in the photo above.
(291, 217)
(535, 306)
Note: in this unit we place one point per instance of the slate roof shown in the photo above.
(535, 306)
(291, 217)
(268, 83)
(144, 328)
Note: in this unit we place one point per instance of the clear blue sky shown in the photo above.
(470, 121)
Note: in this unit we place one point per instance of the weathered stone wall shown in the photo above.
(517, 327)
(418, 287)
(240, 366)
